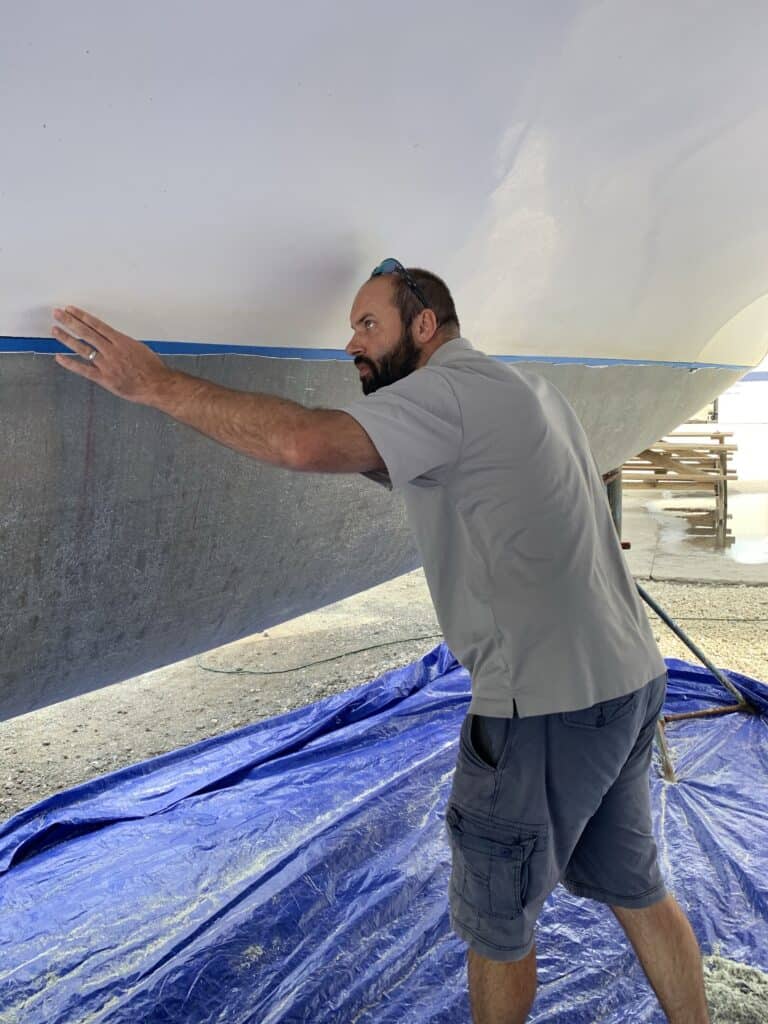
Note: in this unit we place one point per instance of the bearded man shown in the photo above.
(534, 598)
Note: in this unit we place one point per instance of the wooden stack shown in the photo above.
(689, 462)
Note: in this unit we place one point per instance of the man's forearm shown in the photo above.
(263, 426)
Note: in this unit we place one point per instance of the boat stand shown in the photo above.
(612, 482)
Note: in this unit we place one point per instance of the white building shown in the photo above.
(743, 408)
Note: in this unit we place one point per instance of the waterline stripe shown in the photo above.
(183, 348)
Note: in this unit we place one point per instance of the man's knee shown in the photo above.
(650, 916)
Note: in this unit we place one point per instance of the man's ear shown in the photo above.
(425, 326)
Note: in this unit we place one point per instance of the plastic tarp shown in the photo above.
(297, 871)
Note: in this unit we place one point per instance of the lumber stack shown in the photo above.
(687, 462)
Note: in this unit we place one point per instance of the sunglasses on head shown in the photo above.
(391, 266)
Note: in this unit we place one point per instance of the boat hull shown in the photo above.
(130, 541)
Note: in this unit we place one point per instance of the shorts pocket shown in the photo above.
(490, 867)
(496, 734)
(602, 714)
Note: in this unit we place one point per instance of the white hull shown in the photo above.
(588, 178)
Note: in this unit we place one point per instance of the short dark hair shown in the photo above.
(434, 290)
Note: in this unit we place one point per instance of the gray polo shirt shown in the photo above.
(510, 515)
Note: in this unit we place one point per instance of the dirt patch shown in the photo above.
(736, 993)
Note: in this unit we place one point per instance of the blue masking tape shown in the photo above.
(183, 348)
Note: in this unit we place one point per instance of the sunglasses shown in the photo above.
(391, 266)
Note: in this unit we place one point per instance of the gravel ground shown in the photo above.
(296, 663)
(736, 993)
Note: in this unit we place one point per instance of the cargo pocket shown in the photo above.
(491, 861)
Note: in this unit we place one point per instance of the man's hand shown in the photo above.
(118, 363)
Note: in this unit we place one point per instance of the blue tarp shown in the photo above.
(297, 871)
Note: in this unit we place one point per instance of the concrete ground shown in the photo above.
(663, 550)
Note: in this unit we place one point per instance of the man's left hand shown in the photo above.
(122, 365)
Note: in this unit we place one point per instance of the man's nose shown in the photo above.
(353, 346)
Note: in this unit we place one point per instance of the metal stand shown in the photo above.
(612, 481)
(742, 704)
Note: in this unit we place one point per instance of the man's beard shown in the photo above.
(401, 361)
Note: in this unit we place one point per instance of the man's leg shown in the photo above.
(503, 868)
(667, 949)
(501, 993)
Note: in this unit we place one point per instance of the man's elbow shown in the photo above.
(331, 443)
(305, 452)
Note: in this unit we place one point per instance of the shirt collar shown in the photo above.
(443, 354)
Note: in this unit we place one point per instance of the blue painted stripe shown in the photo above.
(757, 375)
(182, 348)
(46, 345)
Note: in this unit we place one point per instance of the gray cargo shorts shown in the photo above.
(547, 799)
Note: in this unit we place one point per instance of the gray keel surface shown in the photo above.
(128, 541)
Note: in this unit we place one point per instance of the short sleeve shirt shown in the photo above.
(511, 518)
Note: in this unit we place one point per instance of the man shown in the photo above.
(533, 596)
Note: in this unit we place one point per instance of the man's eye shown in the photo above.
(369, 322)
